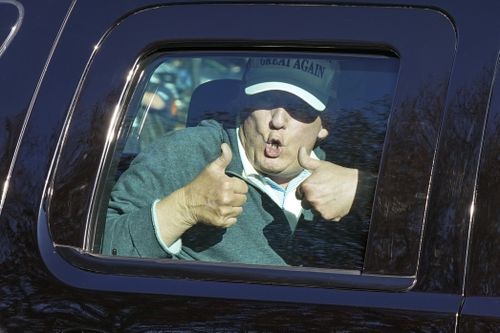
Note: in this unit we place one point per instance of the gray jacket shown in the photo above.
(262, 234)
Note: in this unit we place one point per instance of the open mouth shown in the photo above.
(273, 148)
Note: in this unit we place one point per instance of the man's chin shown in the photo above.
(280, 176)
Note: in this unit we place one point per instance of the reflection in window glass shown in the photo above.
(251, 158)
(11, 13)
(167, 94)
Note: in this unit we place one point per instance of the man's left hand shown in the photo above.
(330, 188)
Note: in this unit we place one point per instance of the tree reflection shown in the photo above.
(485, 259)
(404, 179)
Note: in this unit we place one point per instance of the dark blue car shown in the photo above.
(88, 86)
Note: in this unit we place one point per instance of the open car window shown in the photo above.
(182, 109)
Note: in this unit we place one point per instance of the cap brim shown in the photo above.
(306, 96)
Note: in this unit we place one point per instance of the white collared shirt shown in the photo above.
(284, 198)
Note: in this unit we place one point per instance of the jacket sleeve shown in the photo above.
(169, 164)
(129, 227)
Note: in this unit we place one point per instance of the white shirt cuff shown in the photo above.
(173, 249)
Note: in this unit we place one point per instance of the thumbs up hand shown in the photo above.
(330, 188)
(213, 197)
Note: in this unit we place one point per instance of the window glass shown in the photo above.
(10, 20)
(250, 158)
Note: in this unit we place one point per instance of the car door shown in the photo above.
(480, 309)
(19, 81)
(92, 81)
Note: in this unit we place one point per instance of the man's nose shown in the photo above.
(279, 118)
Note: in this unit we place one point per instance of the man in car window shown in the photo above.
(237, 194)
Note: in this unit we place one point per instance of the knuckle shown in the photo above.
(230, 222)
(332, 215)
(220, 223)
(220, 211)
(328, 216)
(226, 185)
(225, 198)
(224, 222)
(306, 190)
(245, 186)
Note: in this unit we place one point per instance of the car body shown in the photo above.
(432, 256)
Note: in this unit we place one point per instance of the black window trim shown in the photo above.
(84, 276)
(227, 272)
(101, 265)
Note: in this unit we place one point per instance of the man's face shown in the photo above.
(274, 131)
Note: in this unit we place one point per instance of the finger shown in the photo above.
(306, 161)
(225, 157)
(235, 212)
(237, 200)
(299, 194)
(229, 218)
(229, 211)
(239, 186)
(229, 222)
(306, 204)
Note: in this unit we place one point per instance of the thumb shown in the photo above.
(225, 157)
(306, 161)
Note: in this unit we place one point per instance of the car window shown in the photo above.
(11, 15)
(185, 106)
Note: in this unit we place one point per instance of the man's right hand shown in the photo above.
(213, 197)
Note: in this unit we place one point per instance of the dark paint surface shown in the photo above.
(19, 79)
(484, 270)
(33, 299)
(481, 308)
(9, 16)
